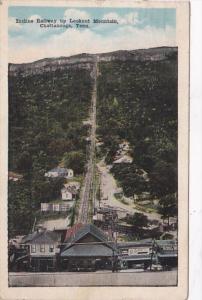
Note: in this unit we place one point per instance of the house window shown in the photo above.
(51, 248)
(33, 248)
(42, 248)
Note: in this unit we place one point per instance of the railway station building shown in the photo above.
(88, 248)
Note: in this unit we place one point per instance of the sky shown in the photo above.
(136, 28)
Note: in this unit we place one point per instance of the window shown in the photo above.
(42, 248)
(51, 248)
(33, 248)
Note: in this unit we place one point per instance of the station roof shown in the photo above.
(84, 230)
(165, 242)
(88, 250)
(167, 255)
(136, 257)
(140, 243)
(101, 247)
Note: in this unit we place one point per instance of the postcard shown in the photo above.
(94, 137)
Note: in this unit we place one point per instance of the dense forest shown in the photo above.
(137, 102)
(45, 129)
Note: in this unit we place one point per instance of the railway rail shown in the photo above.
(88, 183)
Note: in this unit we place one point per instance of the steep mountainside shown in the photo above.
(49, 99)
(85, 60)
(137, 102)
(46, 111)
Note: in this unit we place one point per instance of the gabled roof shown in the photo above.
(71, 232)
(69, 189)
(73, 248)
(74, 184)
(72, 240)
(89, 228)
(87, 250)
(39, 237)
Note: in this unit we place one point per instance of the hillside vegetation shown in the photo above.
(137, 102)
(45, 123)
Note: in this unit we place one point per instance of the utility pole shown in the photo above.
(33, 228)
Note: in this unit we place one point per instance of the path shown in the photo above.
(60, 223)
(108, 188)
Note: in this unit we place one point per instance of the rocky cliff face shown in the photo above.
(86, 61)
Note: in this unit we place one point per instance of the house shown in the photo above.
(142, 197)
(136, 253)
(88, 248)
(42, 249)
(167, 252)
(60, 172)
(124, 159)
(69, 193)
(14, 176)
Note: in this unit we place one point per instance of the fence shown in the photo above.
(54, 207)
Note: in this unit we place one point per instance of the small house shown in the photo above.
(60, 172)
(69, 193)
(142, 197)
(125, 159)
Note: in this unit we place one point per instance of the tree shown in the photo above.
(163, 179)
(20, 210)
(138, 220)
(24, 163)
(74, 160)
(131, 182)
(168, 206)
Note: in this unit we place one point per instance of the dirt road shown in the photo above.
(108, 188)
(59, 223)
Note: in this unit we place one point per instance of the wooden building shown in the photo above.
(136, 253)
(42, 249)
(88, 248)
(167, 253)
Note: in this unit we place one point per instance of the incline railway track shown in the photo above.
(88, 182)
